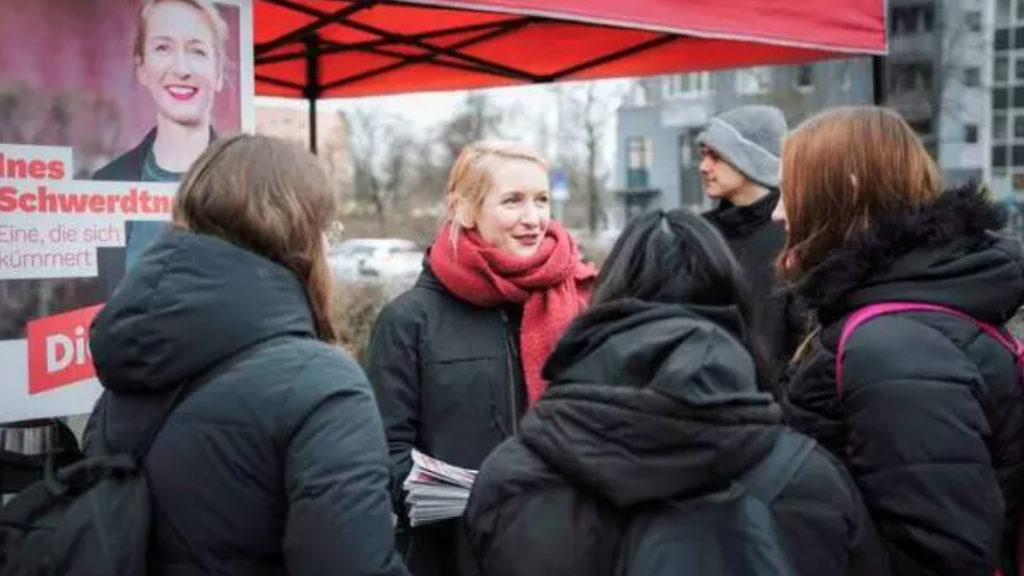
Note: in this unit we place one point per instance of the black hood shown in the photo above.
(650, 401)
(947, 253)
(190, 302)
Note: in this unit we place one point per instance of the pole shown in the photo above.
(879, 86)
(312, 85)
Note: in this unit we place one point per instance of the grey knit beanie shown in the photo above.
(749, 138)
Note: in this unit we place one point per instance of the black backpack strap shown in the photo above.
(766, 480)
(153, 430)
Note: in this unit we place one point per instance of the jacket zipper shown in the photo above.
(510, 357)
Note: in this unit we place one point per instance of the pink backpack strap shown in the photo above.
(869, 312)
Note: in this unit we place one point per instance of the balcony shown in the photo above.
(637, 178)
(913, 105)
(921, 44)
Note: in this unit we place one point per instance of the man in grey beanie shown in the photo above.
(739, 168)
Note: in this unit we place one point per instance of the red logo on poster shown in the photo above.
(58, 350)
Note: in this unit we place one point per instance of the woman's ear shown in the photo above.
(464, 215)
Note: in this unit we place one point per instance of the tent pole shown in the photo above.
(312, 85)
(312, 125)
(879, 87)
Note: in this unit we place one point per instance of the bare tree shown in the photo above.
(479, 118)
(937, 67)
(380, 156)
(964, 51)
(587, 111)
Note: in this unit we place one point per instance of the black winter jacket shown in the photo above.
(931, 420)
(449, 382)
(275, 464)
(647, 403)
(756, 241)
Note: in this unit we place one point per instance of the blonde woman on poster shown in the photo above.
(180, 59)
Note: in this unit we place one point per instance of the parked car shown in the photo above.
(376, 258)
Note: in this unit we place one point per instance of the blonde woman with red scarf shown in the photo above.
(456, 360)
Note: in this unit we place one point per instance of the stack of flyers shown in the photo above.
(436, 490)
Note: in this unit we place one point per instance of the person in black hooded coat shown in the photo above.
(739, 169)
(931, 416)
(654, 398)
(276, 462)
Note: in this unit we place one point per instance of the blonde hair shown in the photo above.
(217, 24)
(270, 197)
(471, 177)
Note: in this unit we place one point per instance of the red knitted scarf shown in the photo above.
(552, 284)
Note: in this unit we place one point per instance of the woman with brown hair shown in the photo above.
(274, 462)
(457, 359)
(928, 411)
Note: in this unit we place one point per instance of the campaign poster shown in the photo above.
(104, 104)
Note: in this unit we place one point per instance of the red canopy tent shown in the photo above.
(315, 49)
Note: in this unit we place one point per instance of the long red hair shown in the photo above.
(842, 169)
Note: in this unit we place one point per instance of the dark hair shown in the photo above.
(678, 257)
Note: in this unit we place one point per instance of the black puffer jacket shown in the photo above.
(931, 421)
(276, 463)
(649, 403)
(756, 241)
(449, 383)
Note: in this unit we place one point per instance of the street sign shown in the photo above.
(559, 185)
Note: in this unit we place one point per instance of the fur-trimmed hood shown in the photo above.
(949, 253)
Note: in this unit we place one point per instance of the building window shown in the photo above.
(914, 19)
(1003, 12)
(1020, 10)
(973, 21)
(753, 80)
(1002, 40)
(1018, 38)
(928, 17)
(1018, 181)
(694, 84)
(689, 151)
(1001, 98)
(911, 77)
(898, 21)
(971, 133)
(972, 77)
(1018, 127)
(640, 156)
(805, 78)
(1001, 73)
(999, 156)
(685, 151)
(1018, 156)
(999, 132)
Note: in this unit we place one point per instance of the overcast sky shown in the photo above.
(426, 110)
